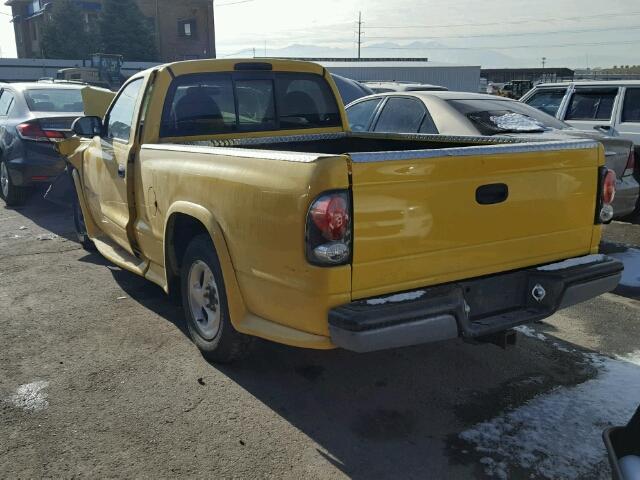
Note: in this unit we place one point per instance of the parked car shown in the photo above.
(272, 220)
(32, 117)
(610, 107)
(382, 87)
(350, 89)
(457, 113)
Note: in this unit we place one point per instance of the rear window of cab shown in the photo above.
(219, 103)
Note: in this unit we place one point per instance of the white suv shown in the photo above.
(611, 107)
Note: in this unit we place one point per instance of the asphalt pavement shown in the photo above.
(99, 379)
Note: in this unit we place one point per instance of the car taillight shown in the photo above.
(607, 193)
(631, 164)
(328, 232)
(33, 131)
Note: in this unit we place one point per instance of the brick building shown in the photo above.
(183, 29)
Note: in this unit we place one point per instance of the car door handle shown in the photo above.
(122, 171)
(602, 127)
(492, 193)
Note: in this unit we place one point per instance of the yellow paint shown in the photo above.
(96, 100)
(416, 222)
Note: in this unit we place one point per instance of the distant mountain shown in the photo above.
(438, 52)
(432, 50)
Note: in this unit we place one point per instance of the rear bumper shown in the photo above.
(626, 199)
(38, 162)
(473, 308)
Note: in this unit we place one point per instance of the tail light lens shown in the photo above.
(33, 131)
(328, 230)
(631, 164)
(607, 193)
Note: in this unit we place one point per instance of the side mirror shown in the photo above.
(87, 127)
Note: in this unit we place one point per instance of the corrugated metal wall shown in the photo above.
(463, 78)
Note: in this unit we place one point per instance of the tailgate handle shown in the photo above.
(492, 193)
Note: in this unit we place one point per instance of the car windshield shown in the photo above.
(54, 100)
(492, 117)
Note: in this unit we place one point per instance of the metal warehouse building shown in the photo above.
(455, 77)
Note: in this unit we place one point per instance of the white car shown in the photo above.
(610, 107)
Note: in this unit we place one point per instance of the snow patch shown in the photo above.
(30, 397)
(631, 260)
(630, 467)
(47, 236)
(572, 262)
(400, 297)
(530, 332)
(558, 435)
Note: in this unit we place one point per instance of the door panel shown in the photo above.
(592, 108)
(107, 164)
(629, 126)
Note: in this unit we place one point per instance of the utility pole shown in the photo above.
(359, 33)
(213, 29)
(544, 61)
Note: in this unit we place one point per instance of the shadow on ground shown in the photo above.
(386, 414)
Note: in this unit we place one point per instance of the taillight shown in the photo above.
(328, 234)
(631, 164)
(33, 131)
(607, 193)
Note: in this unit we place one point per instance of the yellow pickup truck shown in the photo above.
(238, 184)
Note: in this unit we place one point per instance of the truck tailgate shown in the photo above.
(428, 217)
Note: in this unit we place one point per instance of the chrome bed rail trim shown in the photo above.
(238, 152)
(499, 149)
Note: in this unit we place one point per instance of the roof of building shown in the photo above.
(592, 82)
(391, 64)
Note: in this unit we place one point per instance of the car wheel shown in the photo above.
(204, 301)
(12, 195)
(81, 229)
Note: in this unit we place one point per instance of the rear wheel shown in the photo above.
(12, 195)
(204, 301)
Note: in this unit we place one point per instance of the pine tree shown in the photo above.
(64, 34)
(123, 30)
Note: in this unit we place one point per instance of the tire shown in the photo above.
(204, 301)
(13, 196)
(81, 229)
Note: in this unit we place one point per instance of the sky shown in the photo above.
(572, 33)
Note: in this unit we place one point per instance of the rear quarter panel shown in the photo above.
(259, 206)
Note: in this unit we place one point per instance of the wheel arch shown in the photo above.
(184, 221)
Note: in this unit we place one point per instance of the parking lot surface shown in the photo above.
(99, 379)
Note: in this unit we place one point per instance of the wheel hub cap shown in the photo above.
(203, 300)
(4, 179)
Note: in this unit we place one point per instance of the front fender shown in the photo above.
(72, 150)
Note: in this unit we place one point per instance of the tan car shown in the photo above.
(459, 113)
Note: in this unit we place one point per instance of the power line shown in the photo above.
(502, 47)
(520, 34)
(513, 22)
(234, 3)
